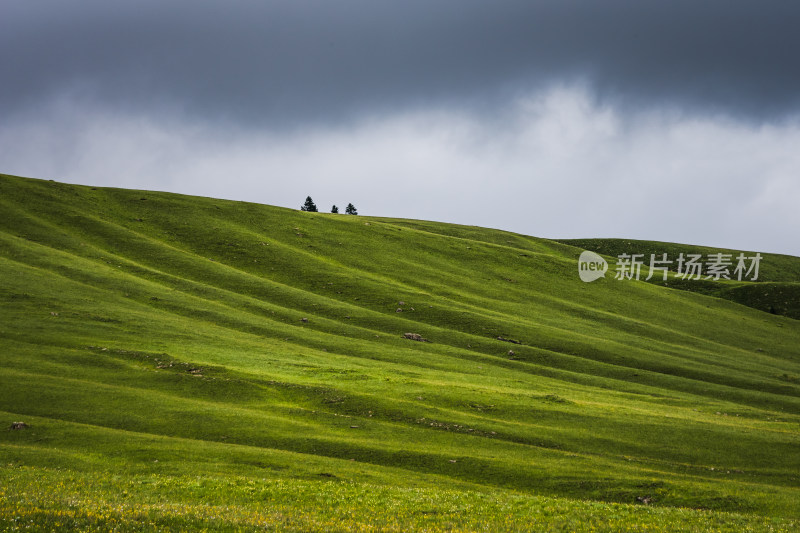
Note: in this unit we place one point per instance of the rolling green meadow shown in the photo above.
(187, 363)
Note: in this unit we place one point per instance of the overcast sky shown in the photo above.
(665, 120)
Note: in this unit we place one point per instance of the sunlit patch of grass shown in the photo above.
(36, 499)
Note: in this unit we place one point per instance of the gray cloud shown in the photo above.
(284, 64)
(562, 167)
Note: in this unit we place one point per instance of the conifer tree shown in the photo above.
(309, 205)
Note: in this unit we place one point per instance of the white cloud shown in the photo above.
(557, 165)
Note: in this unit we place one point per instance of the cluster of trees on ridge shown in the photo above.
(309, 205)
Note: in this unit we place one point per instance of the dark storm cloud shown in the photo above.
(291, 62)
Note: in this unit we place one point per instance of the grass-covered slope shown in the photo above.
(188, 362)
(776, 289)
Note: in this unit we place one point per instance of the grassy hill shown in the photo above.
(777, 289)
(187, 362)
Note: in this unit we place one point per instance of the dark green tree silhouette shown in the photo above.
(309, 205)
(334, 209)
(351, 209)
